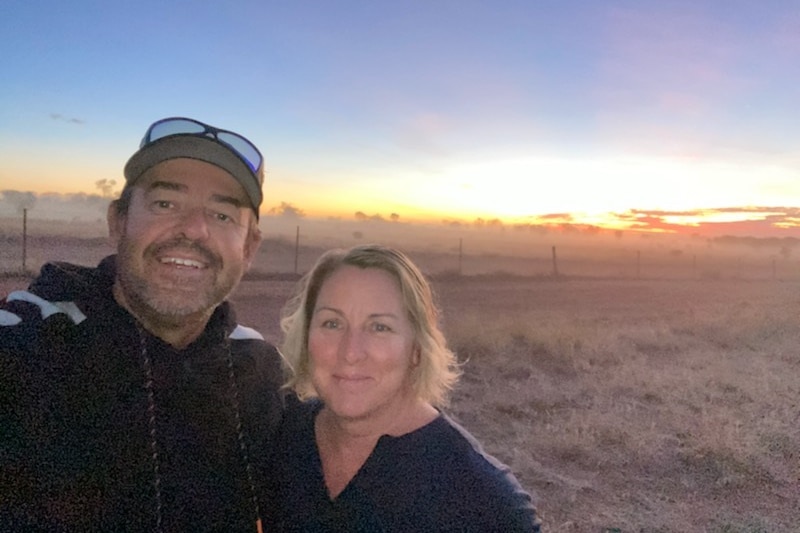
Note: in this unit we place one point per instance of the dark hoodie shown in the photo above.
(104, 427)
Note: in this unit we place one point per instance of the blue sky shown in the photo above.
(429, 109)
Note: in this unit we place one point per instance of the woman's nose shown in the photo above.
(353, 346)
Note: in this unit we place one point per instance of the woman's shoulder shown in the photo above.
(454, 451)
(448, 436)
(477, 487)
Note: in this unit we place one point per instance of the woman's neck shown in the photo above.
(346, 444)
(404, 418)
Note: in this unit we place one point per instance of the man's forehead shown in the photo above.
(188, 174)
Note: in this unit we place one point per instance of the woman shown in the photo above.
(369, 449)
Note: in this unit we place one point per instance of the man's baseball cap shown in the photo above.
(177, 137)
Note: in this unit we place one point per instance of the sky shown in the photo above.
(653, 115)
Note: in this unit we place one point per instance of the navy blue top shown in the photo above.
(437, 478)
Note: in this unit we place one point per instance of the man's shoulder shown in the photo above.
(55, 290)
(241, 332)
(26, 318)
(54, 302)
(248, 344)
(25, 305)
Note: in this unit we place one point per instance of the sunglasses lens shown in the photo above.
(243, 146)
(185, 126)
(174, 126)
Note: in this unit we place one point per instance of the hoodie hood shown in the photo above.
(59, 281)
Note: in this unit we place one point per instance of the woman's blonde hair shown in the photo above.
(438, 370)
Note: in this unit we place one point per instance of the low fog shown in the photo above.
(477, 246)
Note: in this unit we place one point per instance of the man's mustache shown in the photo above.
(191, 246)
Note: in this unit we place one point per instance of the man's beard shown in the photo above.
(172, 298)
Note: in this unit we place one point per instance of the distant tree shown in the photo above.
(591, 230)
(287, 210)
(363, 217)
(541, 229)
(20, 199)
(394, 217)
(569, 228)
(106, 187)
(495, 223)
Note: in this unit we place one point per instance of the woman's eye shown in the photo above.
(330, 324)
(381, 327)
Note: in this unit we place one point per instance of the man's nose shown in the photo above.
(193, 224)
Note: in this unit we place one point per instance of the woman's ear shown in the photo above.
(416, 355)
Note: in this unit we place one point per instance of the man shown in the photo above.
(130, 398)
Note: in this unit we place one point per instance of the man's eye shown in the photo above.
(162, 204)
(225, 217)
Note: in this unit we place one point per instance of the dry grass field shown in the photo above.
(638, 406)
(625, 405)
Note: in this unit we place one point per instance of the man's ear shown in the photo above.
(252, 243)
(116, 222)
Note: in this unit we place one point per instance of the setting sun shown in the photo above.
(516, 189)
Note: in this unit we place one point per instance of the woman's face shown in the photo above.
(361, 344)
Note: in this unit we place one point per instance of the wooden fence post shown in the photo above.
(555, 263)
(296, 248)
(638, 264)
(24, 239)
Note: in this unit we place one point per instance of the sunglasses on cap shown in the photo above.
(187, 126)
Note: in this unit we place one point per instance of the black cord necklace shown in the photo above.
(151, 423)
(153, 432)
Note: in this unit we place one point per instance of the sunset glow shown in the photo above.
(648, 122)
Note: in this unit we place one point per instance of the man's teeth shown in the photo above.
(183, 262)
